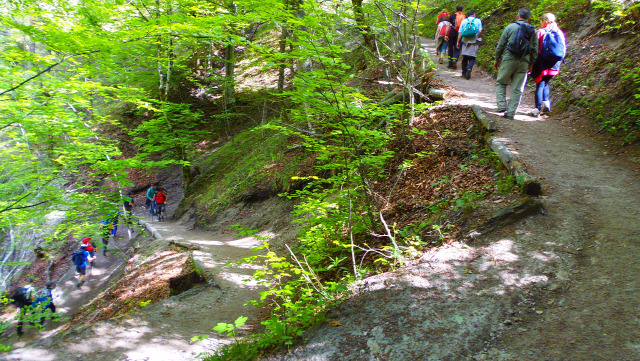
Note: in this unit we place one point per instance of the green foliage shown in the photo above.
(240, 167)
(296, 296)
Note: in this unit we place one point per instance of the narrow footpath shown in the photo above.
(560, 285)
(589, 236)
(162, 331)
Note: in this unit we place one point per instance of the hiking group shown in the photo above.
(521, 52)
(157, 202)
(31, 302)
(37, 306)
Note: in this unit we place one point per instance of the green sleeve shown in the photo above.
(502, 43)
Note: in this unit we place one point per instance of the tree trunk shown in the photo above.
(363, 26)
(230, 67)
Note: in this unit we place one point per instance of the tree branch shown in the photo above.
(35, 76)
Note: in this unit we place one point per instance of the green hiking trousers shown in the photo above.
(512, 72)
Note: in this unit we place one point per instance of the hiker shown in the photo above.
(161, 203)
(114, 223)
(105, 232)
(91, 248)
(151, 193)
(442, 39)
(128, 207)
(551, 52)
(469, 38)
(80, 259)
(44, 301)
(444, 15)
(516, 52)
(456, 20)
(23, 298)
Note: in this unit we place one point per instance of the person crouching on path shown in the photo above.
(514, 61)
(80, 259)
(442, 39)
(161, 204)
(469, 44)
(549, 60)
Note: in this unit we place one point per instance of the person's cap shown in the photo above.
(82, 245)
(86, 240)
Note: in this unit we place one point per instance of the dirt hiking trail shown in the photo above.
(163, 331)
(589, 235)
(559, 285)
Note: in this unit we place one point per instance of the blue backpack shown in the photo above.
(79, 258)
(553, 47)
(470, 29)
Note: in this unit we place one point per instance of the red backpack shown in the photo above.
(160, 197)
(444, 31)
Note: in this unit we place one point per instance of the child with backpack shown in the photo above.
(551, 52)
(80, 259)
(91, 248)
(161, 203)
(44, 301)
(442, 39)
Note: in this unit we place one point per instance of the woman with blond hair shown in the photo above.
(551, 53)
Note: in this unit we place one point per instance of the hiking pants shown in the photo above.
(22, 317)
(512, 72)
(442, 47)
(454, 52)
(542, 91)
(467, 63)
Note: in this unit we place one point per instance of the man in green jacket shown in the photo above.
(513, 68)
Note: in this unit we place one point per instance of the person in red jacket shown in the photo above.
(161, 203)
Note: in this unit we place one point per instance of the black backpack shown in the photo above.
(20, 297)
(521, 42)
(79, 258)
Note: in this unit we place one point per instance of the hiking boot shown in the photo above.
(454, 66)
(546, 106)
(535, 113)
(79, 284)
(440, 61)
(468, 76)
(510, 117)
(501, 110)
(464, 73)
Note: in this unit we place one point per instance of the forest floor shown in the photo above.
(561, 285)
